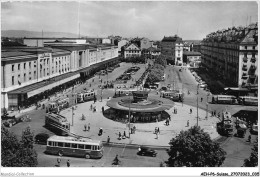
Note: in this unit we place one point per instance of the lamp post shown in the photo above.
(129, 114)
(198, 105)
(207, 105)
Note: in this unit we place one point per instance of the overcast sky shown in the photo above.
(152, 19)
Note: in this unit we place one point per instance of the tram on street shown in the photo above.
(224, 99)
(248, 100)
(74, 146)
(226, 125)
(173, 95)
(58, 123)
(123, 92)
(86, 96)
(58, 105)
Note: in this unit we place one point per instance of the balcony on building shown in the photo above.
(244, 68)
(253, 60)
(245, 59)
(244, 75)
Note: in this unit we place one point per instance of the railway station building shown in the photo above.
(28, 71)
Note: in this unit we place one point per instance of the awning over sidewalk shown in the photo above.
(42, 86)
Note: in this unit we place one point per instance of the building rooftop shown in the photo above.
(235, 34)
(191, 53)
(172, 39)
(6, 54)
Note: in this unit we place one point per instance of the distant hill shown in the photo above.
(24, 33)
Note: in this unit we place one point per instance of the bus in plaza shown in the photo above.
(58, 105)
(174, 95)
(74, 146)
(224, 99)
(86, 96)
(58, 123)
(248, 100)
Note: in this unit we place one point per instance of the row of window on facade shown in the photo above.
(61, 70)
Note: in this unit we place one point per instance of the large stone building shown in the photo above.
(232, 54)
(28, 71)
(172, 49)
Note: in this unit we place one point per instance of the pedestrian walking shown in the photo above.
(58, 161)
(158, 130)
(88, 126)
(201, 99)
(68, 163)
(108, 140)
(188, 123)
(249, 138)
(157, 135)
(85, 126)
(124, 135)
(19, 109)
(91, 107)
(103, 109)
(190, 110)
(119, 136)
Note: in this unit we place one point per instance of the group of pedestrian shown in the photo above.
(59, 162)
(120, 136)
(133, 129)
(213, 113)
(157, 130)
(87, 128)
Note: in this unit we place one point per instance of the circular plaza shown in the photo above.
(140, 108)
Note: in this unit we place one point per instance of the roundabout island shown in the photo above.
(140, 108)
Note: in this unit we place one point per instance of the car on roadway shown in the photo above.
(41, 138)
(146, 151)
(254, 129)
(203, 85)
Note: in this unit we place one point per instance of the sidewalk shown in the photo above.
(144, 134)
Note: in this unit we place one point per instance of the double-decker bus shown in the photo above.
(173, 95)
(248, 100)
(58, 123)
(73, 146)
(224, 99)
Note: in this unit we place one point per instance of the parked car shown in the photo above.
(41, 138)
(146, 151)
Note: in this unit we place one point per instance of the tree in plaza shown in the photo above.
(194, 148)
(17, 153)
(252, 161)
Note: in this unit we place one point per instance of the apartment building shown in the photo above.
(131, 50)
(172, 49)
(233, 55)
